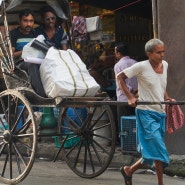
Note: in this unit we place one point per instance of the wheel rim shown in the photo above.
(17, 137)
(86, 147)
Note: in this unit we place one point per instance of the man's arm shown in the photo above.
(64, 47)
(13, 38)
(167, 98)
(121, 77)
(16, 53)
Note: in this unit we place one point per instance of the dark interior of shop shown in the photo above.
(134, 7)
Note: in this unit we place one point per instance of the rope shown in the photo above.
(126, 5)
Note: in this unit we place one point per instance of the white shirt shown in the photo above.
(151, 85)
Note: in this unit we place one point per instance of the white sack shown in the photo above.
(64, 74)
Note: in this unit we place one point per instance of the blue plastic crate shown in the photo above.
(128, 133)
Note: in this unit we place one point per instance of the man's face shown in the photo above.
(117, 54)
(49, 20)
(26, 24)
(157, 55)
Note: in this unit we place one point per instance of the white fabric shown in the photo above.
(33, 60)
(93, 24)
(64, 74)
(29, 51)
(151, 86)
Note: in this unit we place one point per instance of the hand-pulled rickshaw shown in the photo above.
(91, 152)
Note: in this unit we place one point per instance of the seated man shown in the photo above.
(52, 32)
(19, 38)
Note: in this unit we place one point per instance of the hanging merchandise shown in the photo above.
(79, 29)
(94, 28)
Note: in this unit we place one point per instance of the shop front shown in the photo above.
(137, 21)
(128, 21)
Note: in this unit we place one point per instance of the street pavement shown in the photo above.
(47, 172)
(58, 173)
(175, 168)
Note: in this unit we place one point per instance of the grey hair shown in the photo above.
(150, 45)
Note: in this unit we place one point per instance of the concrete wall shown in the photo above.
(171, 28)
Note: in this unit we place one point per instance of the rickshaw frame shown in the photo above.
(90, 152)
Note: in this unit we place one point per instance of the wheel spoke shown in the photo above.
(98, 118)
(101, 147)
(18, 118)
(10, 160)
(72, 148)
(5, 163)
(25, 145)
(97, 154)
(18, 162)
(24, 127)
(87, 122)
(2, 123)
(23, 135)
(3, 107)
(2, 145)
(70, 124)
(77, 155)
(20, 156)
(78, 116)
(91, 159)
(85, 160)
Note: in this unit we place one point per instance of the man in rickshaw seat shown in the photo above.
(19, 38)
(51, 28)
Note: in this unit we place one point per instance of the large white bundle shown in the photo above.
(64, 74)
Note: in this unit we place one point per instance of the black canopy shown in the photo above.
(13, 7)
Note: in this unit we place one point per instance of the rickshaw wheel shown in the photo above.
(17, 137)
(88, 139)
